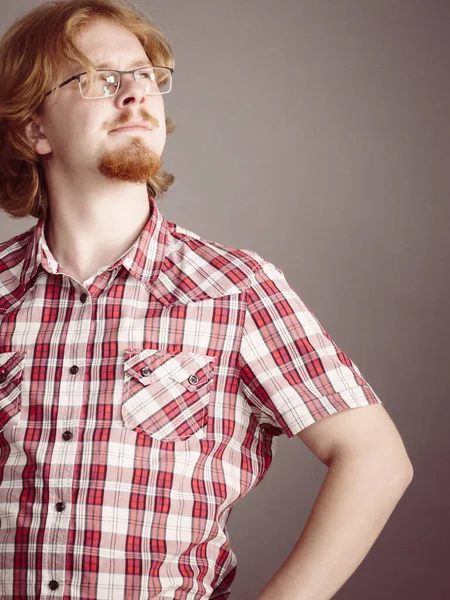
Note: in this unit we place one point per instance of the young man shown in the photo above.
(145, 374)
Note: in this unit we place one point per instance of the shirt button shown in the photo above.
(3, 377)
(193, 379)
(53, 585)
(60, 506)
(67, 435)
(74, 370)
(145, 371)
(83, 298)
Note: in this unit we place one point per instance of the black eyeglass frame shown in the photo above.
(133, 71)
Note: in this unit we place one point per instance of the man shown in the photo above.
(145, 374)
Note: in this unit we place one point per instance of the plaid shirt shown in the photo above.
(137, 407)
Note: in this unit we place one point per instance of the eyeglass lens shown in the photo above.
(154, 80)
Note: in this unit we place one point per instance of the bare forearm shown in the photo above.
(354, 503)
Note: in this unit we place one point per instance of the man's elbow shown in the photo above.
(407, 473)
(400, 474)
(400, 468)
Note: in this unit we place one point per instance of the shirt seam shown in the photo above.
(242, 323)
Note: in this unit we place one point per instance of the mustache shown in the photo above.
(127, 118)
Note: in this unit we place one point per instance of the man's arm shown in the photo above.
(368, 473)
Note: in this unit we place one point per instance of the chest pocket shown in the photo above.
(166, 395)
(11, 371)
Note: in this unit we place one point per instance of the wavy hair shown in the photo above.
(32, 52)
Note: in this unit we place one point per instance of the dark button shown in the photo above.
(193, 379)
(60, 506)
(74, 370)
(67, 435)
(53, 585)
(145, 371)
(83, 298)
(3, 377)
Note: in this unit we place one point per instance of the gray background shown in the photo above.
(316, 132)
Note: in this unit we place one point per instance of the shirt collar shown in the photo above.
(143, 260)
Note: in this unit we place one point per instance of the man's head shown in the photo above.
(65, 132)
(77, 134)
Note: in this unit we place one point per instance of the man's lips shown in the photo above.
(132, 128)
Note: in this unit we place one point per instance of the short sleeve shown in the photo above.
(291, 371)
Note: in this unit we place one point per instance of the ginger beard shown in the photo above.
(135, 162)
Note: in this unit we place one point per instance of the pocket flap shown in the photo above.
(188, 368)
(11, 367)
(11, 371)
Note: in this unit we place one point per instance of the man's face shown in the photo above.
(78, 132)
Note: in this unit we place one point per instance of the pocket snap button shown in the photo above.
(145, 371)
(193, 379)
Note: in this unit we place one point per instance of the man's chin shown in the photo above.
(136, 164)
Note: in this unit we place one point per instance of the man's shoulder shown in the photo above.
(12, 256)
(188, 244)
(227, 269)
(12, 251)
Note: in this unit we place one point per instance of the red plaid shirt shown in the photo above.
(137, 407)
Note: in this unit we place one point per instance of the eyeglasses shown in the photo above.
(105, 83)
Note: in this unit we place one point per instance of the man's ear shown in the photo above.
(36, 136)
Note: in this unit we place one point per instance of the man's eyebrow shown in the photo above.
(136, 63)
